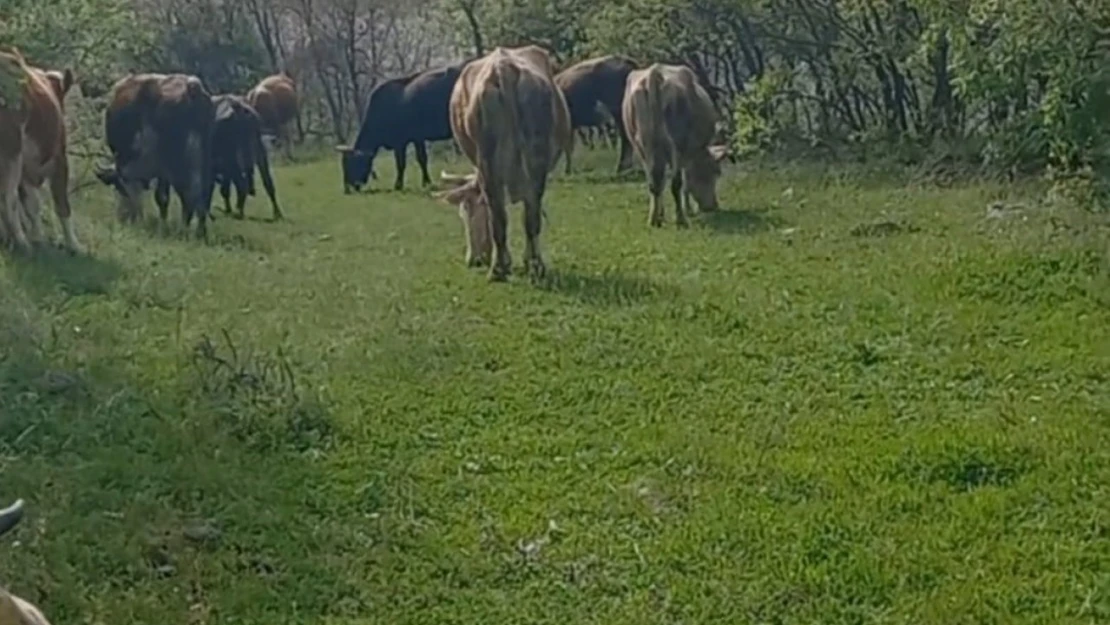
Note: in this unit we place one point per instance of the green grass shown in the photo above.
(785, 414)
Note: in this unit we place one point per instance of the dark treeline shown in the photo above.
(1015, 87)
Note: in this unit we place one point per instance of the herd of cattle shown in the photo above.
(508, 112)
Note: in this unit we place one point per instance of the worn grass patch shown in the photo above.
(836, 401)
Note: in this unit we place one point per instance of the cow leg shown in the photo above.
(225, 193)
(655, 185)
(567, 153)
(162, 199)
(502, 265)
(31, 213)
(200, 179)
(286, 142)
(187, 211)
(263, 162)
(533, 224)
(241, 192)
(399, 159)
(625, 161)
(12, 210)
(59, 193)
(422, 160)
(676, 192)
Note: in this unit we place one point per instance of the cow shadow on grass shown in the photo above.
(174, 230)
(54, 268)
(608, 288)
(739, 221)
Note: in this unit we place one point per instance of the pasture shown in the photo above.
(841, 400)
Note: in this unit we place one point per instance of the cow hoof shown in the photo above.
(682, 223)
(499, 273)
(537, 270)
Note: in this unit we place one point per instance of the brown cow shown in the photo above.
(276, 101)
(512, 122)
(32, 150)
(14, 610)
(597, 83)
(671, 122)
(159, 127)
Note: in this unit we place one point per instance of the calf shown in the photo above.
(32, 150)
(14, 610)
(412, 109)
(277, 103)
(159, 126)
(597, 83)
(671, 122)
(237, 149)
(512, 123)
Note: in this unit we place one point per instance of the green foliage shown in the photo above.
(97, 39)
(757, 113)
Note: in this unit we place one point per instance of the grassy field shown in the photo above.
(838, 401)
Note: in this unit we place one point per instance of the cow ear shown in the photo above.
(718, 152)
(67, 80)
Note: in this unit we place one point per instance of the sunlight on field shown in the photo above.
(833, 402)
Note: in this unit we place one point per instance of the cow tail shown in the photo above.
(658, 141)
(518, 157)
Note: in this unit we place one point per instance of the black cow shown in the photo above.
(411, 109)
(237, 149)
(593, 82)
(159, 126)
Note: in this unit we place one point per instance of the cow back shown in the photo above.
(598, 80)
(409, 108)
(148, 110)
(275, 100)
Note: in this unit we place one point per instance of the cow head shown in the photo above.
(466, 193)
(358, 167)
(702, 175)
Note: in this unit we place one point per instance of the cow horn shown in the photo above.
(10, 516)
(104, 174)
(456, 179)
(719, 151)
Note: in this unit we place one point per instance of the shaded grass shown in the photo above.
(331, 419)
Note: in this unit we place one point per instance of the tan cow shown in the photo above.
(512, 122)
(14, 610)
(671, 123)
(32, 150)
(276, 101)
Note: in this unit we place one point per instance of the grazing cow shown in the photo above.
(13, 609)
(159, 126)
(237, 149)
(411, 109)
(671, 122)
(276, 101)
(512, 122)
(32, 150)
(595, 82)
